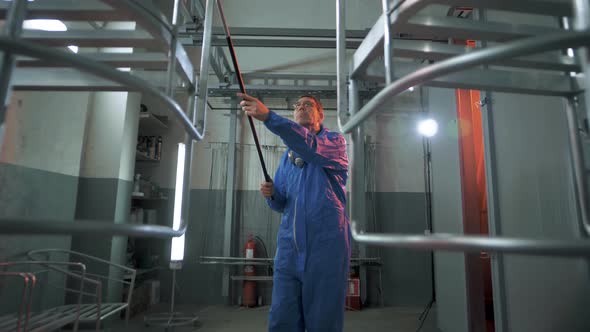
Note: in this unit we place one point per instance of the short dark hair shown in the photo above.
(316, 100)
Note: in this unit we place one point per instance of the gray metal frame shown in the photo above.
(48, 319)
(159, 33)
(530, 40)
(98, 311)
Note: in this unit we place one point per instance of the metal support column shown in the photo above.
(229, 196)
(174, 318)
(358, 209)
(12, 29)
(387, 43)
(341, 72)
(582, 22)
(204, 66)
(494, 221)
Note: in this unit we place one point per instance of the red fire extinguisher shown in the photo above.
(249, 291)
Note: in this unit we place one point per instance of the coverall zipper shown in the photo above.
(295, 226)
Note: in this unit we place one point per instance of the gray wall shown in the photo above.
(406, 273)
(33, 193)
(536, 200)
(395, 191)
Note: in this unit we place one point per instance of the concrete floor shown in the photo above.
(226, 319)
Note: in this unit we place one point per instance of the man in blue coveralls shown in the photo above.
(313, 243)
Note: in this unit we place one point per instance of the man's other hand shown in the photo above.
(267, 189)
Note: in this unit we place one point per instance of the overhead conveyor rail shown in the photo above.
(98, 72)
(516, 46)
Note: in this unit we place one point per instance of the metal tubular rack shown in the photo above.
(43, 68)
(461, 67)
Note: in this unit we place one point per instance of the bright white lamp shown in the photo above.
(48, 25)
(177, 249)
(428, 127)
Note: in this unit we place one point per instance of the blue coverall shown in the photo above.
(313, 242)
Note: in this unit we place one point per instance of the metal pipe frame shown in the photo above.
(524, 82)
(16, 226)
(462, 62)
(476, 244)
(201, 102)
(19, 226)
(457, 64)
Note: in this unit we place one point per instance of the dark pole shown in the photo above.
(242, 88)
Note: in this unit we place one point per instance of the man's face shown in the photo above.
(306, 112)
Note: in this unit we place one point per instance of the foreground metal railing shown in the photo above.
(162, 31)
(476, 244)
(525, 43)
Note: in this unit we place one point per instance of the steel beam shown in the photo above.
(284, 42)
(416, 49)
(152, 61)
(458, 28)
(289, 32)
(218, 59)
(403, 20)
(68, 10)
(91, 38)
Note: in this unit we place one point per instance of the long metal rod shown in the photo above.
(387, 44)
(462, 62)
(491, 179)
(476, 244)
(157, 25)
(96, 228)
(234, 59)
(202, 89)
